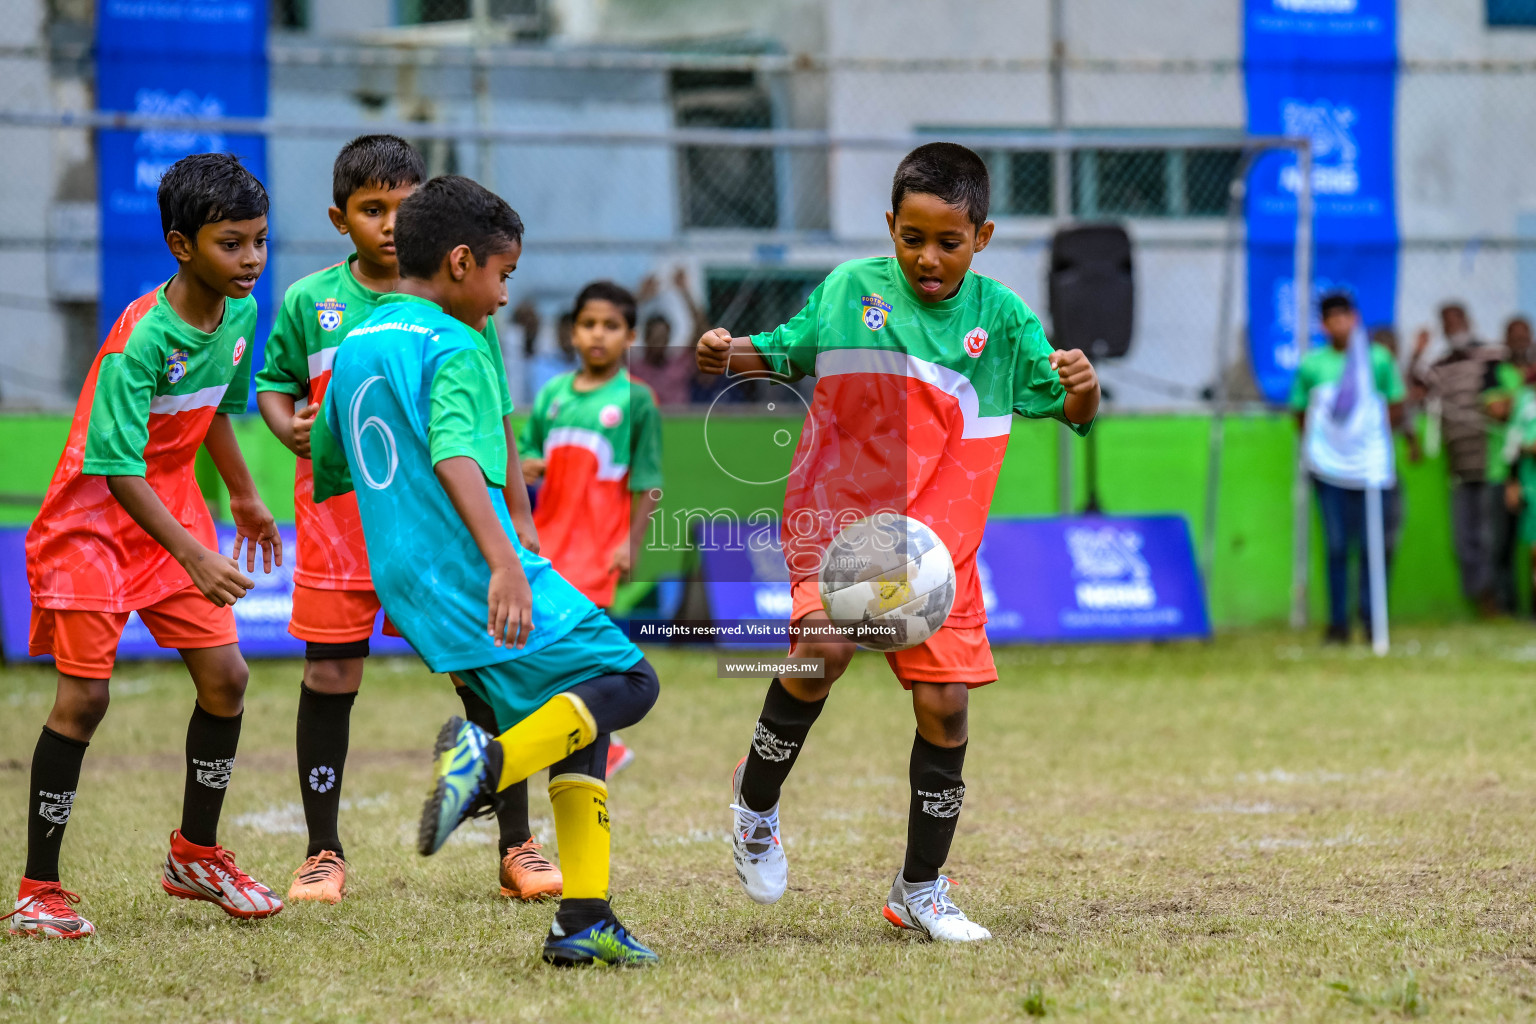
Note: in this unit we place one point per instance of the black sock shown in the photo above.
(776, 742)
(50, 797)
(211, 743)
(321, 740)
(512, 802)
(937, 792)
(574, 915)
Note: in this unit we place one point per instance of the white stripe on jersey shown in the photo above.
(592, 441)
(838, 361)
(321, 362)
(203, 398)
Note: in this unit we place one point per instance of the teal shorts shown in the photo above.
(516, 689)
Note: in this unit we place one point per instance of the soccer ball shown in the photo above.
(887, 582)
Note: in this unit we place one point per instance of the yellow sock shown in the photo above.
(560, 727)
(581, 829)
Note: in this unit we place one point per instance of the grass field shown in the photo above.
(1254, 829)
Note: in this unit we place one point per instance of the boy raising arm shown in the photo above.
(334, 603)
(124, 528)
(920, 365)
(412, 415)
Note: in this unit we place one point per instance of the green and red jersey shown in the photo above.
(912, 410)
(599, 447)
(316, 314)
(145, 409)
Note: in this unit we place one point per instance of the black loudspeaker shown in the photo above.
(1092, 293)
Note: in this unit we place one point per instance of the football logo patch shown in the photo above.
(610, 416)
(239, 351)
(176, 365)
(875, 310)
(975, 342)
(330, 313)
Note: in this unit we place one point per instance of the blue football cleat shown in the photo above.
(460, 787)
(607, 941)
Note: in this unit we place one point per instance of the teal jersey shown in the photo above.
(410, 387)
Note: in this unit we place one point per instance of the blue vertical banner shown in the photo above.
(175, 59)
(1326, 70)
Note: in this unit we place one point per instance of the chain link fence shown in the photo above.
(727, 184)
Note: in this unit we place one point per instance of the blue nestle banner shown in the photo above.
(1327, 70)
(1043, 580)
(261, 616)
(178, 59)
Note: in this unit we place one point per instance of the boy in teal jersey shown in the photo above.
(412, 415)
(334, 604)
(594, 440)
(921, 365)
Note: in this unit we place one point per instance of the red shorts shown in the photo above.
(335, 616)
(84, 643)
(955, 654)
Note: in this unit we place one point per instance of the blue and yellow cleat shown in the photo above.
(460, 787)
(607, 941)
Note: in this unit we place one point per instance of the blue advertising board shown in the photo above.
(261, 616)
(1043, 580)
(172, 59)
(1326, 70)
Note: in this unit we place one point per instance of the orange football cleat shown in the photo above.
(526, 875)
(322, 878)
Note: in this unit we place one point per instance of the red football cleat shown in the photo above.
(619, 756)
(209, 873)
(45, 910)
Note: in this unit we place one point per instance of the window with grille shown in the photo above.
(725, 186)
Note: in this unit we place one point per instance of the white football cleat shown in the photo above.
(760, 862)
(927, 908)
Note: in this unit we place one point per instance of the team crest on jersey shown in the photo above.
(176, 365)
(239, 351)
(610, 416)
(330, 313)
(875, 309)
(975, 342)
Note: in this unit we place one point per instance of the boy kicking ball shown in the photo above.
(920, 365)
(124, 528)
(412, 416)
(334, 603)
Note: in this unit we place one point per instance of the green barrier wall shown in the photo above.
(1148, 464)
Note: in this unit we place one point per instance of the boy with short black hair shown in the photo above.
(334, 604)
(920, 364)
(124, 528)
(412, 414)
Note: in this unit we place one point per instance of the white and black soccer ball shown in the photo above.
(887, 581)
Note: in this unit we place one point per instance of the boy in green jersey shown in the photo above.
(920, 366)
(594, 440)
(124, 528)
(334, 603)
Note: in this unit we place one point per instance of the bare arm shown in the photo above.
(517, 493)
(289, 421)
(509, 601)
(718, 353)
(1081, 382)
(641, 505)
(254, 525)
(217, 576)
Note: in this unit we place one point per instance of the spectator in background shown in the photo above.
(1348, 396)
(546, 366)
(1517, 342)
(668, 370)
(1386, 336)
(1456, 382)
(1501, 387)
